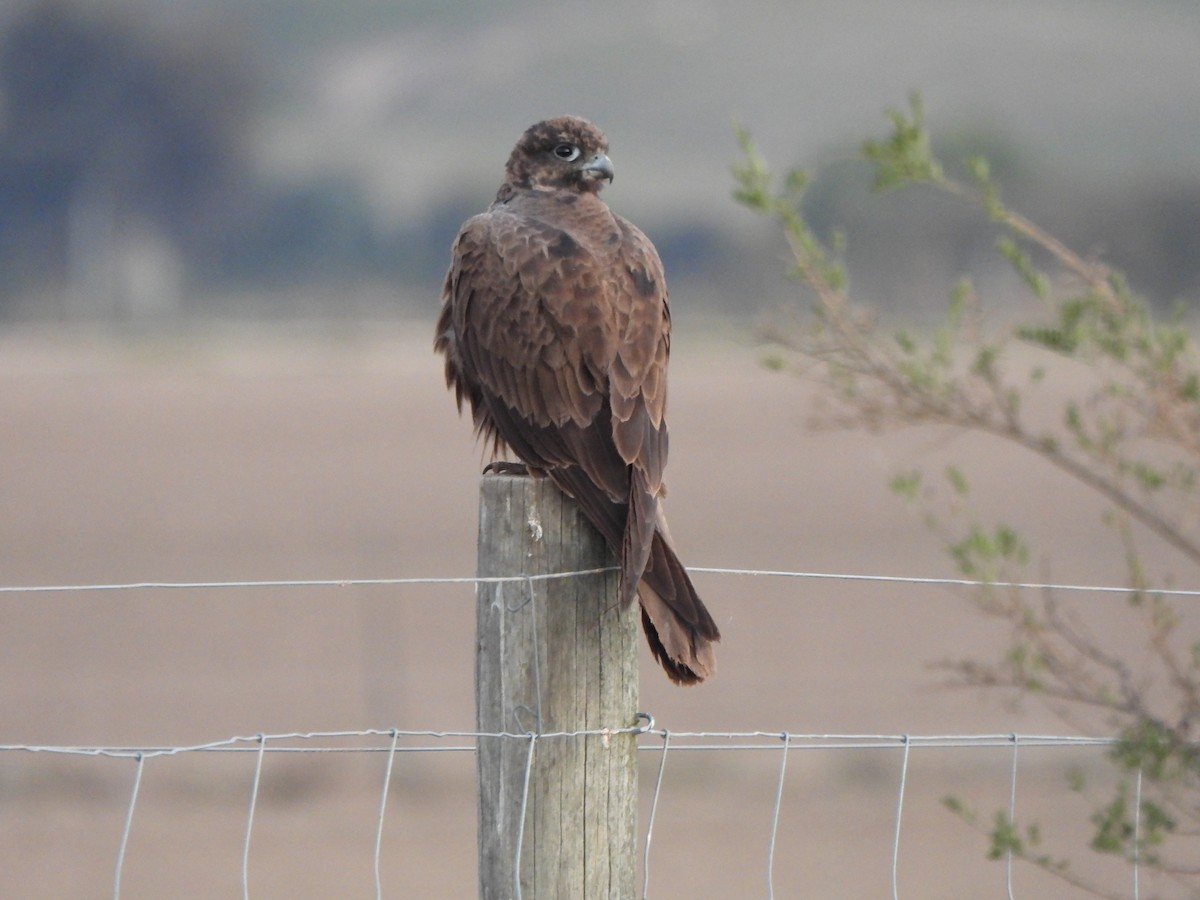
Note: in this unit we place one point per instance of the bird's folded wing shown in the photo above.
(563, 353)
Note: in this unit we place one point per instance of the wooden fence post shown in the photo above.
(552, 655)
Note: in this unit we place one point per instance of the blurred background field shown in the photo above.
(247, 456)
(222, 233)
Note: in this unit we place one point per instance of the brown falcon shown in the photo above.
(556, 331)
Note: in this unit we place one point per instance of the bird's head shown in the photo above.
(564, 153)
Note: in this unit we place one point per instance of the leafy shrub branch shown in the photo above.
(1130, 435)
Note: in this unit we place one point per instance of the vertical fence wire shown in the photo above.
(536, 712)
(524, 809)
(1137, 833)
(787, 740)
(1012, 817)
(133, 796)
(258, 766)
(658, 782)
(387, 781)
(899, 817)
(537, 669)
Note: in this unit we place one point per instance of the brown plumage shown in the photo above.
(556, 331)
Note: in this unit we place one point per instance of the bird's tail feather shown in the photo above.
(679, 629)
(642, 518)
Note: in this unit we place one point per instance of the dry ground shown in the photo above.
(273, 455)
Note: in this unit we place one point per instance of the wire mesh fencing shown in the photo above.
(390, 811)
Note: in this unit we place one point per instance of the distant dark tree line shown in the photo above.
(103, 122)
(129, 182)
(126, 149)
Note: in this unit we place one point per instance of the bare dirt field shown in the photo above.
(273, 455)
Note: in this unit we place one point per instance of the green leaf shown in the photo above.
(1005, 838)
(796, 181)
(959, 807)
(1021, 262)
(907, 484)
(958, 480)
(1148, 476)
(1113, 826)
(985, 361)
(981, 171)
(752, 175)
(906, 156)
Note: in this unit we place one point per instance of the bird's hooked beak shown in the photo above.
(598, 167)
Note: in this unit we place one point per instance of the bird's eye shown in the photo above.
(567, 152)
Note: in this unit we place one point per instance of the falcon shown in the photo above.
(556, 331)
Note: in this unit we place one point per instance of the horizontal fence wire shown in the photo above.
(678, 741)
(524, 579)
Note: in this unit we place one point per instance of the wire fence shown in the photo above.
(657, 743)
(523, 579)
(653, 740)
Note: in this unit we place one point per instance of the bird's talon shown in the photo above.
(505, 467)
